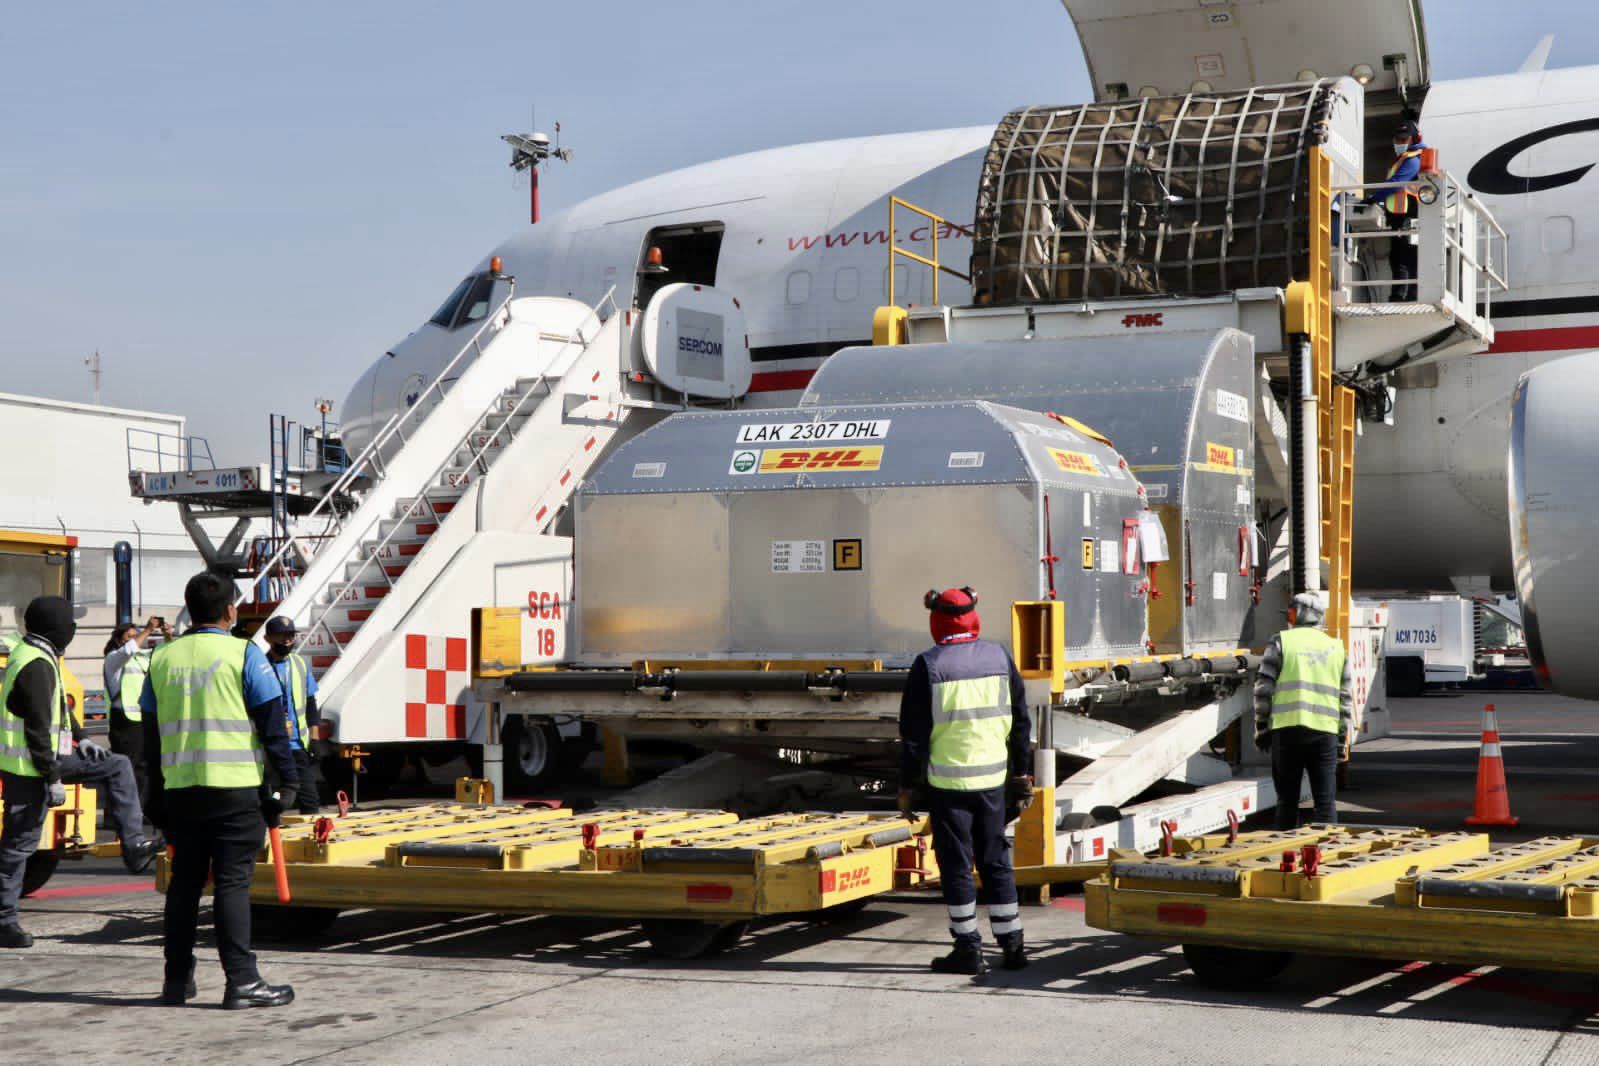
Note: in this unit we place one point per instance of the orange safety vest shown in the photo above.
(1397, 202)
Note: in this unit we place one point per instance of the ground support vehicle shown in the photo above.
(695, 878)
(1243, 908)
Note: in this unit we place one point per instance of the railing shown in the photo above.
(475, 460)
(168, 448)
(371, 455)
(1473, 243)
(894, 249)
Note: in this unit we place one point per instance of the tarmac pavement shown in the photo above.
(386, 987)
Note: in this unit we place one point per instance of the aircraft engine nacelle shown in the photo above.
(1554, 519)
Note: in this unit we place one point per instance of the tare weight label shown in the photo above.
(799, 556)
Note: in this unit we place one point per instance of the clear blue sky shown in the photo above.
(241, 205)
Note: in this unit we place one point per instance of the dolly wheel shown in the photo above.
(41, 865)
(685, 938)
(273, 921)
(1235, 969)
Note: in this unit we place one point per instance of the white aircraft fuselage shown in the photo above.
(803, 248)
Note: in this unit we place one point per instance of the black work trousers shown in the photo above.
(968, 831)
(127, 738)
(1295, 752)
(1403, 259)
(307, 795)
(215, 832)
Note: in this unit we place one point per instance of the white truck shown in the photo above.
(1449, 640)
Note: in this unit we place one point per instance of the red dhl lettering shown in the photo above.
(1220, 455)
(787, 460)
(835, 880)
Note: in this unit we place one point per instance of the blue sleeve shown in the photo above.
(260, 680)
(915, 726)
(147, 697)
(1408, 169)
(310, 684)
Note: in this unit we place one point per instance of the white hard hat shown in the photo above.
(1311, 601)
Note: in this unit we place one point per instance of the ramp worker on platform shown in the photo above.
(966, 751)
(299, 710)
(37, 754)
(1304, 703)
(213, 720)
(126, 661)
(1400, 206)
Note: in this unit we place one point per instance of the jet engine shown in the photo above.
(1554, 519)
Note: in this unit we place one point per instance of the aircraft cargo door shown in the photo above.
(1171, 47)
(682, 254)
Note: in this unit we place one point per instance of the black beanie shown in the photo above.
(50, 617)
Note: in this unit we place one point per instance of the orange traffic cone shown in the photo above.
(1493, 795)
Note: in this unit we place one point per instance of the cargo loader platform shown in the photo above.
(694, 878)
(1241, 909)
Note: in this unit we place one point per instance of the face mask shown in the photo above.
(277, 652)
(1401, 147)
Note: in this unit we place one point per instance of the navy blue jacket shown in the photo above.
(957, 661)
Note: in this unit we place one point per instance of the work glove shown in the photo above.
(321, 749)
(910, 800)
(93, 752)
(273, 804)
(56, 794)
(1018, 794)
(1263, 739)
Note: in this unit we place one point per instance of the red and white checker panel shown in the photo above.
(437, 682)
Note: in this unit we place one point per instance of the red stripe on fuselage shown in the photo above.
(1558, 339)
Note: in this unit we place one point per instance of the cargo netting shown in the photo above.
(1192, 194)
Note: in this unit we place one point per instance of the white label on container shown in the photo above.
(1231, 405)
(1218, 586)
(799, 556)
(1243, 494)
(1110, 558)
(744, 462)
(958, 460)
(1155, 492)
(1088, 510)
(805, 432)
(649, 469)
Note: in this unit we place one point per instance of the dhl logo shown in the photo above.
(1076, 462)
(1220, 455)
(815, 460)
(845, 880)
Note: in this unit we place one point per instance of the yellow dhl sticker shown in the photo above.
(821, 460)
(1076, 462)
(1220, 456)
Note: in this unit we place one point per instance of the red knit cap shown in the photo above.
(952, 615)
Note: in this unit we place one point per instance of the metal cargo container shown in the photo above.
(1178, 406)
(788, 534)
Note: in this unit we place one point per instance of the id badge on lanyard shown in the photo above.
(64, 725)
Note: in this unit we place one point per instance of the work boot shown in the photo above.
(12, 936)
(1015, 952)
(967, 958)
(256, 994)
(177, 993)
(139, 857)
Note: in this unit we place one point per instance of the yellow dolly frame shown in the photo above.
(694, 878)
(1241, 910)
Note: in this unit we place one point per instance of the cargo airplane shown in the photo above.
(798, 235)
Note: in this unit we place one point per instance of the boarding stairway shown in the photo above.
(383, 605)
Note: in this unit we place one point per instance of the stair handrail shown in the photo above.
(392, 427)
(428, 482)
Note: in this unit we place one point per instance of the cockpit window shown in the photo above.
(468, 303)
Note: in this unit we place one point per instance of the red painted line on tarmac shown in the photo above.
(1067, 903)
(116, 888)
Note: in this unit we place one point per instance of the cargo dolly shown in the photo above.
(1242, 909)
(694, 878)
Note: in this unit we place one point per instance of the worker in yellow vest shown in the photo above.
(1400, 205)
(221, 771)
(1304, 703)
(127, 659)
(966, 753)
(299, 706)
(41, 746)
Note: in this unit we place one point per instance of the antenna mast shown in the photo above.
(528, 150)
(93, 363)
